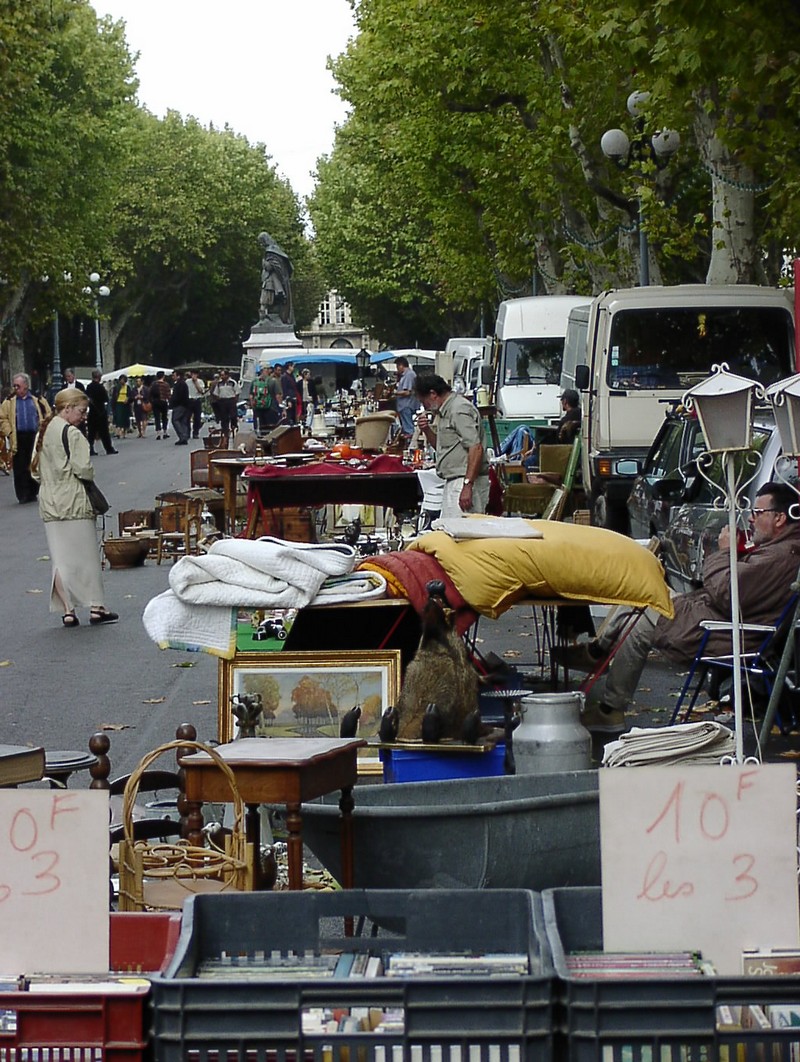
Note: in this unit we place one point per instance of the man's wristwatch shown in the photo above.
(467, 482)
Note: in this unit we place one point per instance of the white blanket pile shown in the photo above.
(684, 743)
(469, 527)
(199, 611)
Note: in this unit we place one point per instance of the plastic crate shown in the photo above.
(142, 941)
(667, 1020)
(89, 1022)
(451, 1019)
(409, 765)
(79, 1024)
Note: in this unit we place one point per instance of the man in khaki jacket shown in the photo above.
(20, 417)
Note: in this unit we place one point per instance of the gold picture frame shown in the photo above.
(305, 694)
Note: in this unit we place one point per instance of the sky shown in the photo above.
(258, 66)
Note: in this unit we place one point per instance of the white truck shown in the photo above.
(463, 359)
(633, 353)
(527, 349)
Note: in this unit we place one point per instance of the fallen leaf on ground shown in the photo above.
(512, 652)
(790, 754)
(525, 634)
(184, 663)
(34, 591)
(6, 663)
(117, 726)
(44, 558)
(201, 702)
(155, 700)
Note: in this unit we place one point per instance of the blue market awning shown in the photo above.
(309, 358)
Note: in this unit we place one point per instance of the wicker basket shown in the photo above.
(159, 876)
(126, 552)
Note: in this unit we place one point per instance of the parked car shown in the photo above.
(672, 500)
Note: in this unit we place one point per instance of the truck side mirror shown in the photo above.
(582, 377)
(487, 375)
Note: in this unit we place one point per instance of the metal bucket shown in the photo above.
(550, 738)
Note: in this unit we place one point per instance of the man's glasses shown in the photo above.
(758, 512)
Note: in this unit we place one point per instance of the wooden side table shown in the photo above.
(282, 771)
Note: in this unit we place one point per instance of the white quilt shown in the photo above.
(262, 573)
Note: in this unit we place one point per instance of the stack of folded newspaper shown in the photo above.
(685, 743)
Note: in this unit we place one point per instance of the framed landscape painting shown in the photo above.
(307, 694)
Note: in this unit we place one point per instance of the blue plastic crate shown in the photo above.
(442, 1019)
(612, 1019)
(411, 765)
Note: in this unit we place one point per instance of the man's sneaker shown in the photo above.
(599, 722)
(584, 656)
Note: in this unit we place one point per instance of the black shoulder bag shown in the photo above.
(97, 499)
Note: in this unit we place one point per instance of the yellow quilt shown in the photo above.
(572, 561)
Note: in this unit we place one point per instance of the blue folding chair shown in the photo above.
(759, 665)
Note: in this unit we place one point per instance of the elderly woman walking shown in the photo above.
(60, 462)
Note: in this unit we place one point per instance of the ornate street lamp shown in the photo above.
(724, 406)
(95, 289)
(362, 361)
(623, 151)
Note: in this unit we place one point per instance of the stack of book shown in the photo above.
(297, 965)
(19, 764)
(636, 965)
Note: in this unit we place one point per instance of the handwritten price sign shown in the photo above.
(699, 858)
(53, 881)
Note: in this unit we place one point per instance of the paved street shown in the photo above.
(58, 685)
(61, 685)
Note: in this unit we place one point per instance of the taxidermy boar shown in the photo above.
(440, 674)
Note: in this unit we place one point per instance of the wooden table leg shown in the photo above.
(294, 845)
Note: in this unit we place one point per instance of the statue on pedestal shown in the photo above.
(275, 306)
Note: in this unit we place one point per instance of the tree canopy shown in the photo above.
(469, 168)
(165, 210)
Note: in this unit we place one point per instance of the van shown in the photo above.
(467, 356)
(527, 351)
(634, 352)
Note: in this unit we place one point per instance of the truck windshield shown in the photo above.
(672, 347)
(527, 361)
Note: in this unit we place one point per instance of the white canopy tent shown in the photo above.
(133, 371)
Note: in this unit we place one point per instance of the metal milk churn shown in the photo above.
(550, 737)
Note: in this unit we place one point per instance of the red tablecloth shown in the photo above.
(382, 464)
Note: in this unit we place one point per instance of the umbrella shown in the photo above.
(132, 371)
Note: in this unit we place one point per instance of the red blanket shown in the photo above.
(407, 574)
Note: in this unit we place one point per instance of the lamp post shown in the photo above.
(784, 397)
(724, 406)
(617, 146)
(97, 291)
(362, 360)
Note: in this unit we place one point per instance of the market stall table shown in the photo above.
(281, 771)
(385, 481)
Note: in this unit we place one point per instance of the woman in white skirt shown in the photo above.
(69, 519)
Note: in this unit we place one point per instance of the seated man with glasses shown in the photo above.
(766, 570)
(20, 417)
